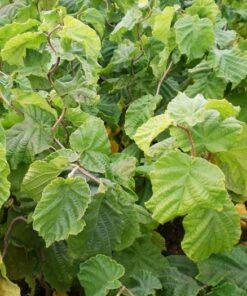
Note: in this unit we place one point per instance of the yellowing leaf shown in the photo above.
(162, 23)
(15, 48)
(77, 31)
(11, 30)
(151, 129)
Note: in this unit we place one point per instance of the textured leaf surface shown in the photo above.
(176, 283)
(100, 274)
(214, 134)
(204, 8)
(180, 183)
(223, 228)
(139, 112)
(147, 132)
(4, 172)
(15, 49)
(92, 141)
(59, 212)
(111, 224)
(127, 23)
(141, 255)
(227, 61)
(11, 30)
(40, 174)
(186, 111)
(30, 137)
(234, 165)
(225, 267)
(194, 36)
(227, 289)
(207, 84)
(143, 283)
(75, 30)
(58, 267)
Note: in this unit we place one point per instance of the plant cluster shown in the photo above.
(123, 147)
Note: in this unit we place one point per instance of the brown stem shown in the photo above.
(8, 232)
(209, 156)
(85, 173)
(192, 144)
(54, 66)
(52, 70)
(124, 289)
(163, 78)
(58, 121)
(49, 38)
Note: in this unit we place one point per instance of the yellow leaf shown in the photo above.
(7, 288)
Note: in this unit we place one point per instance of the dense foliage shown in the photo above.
(123, 147)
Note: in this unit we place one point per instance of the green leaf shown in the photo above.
(139, 112)
(142, 254)
(225, 267)
(25, 98)
(59, 212)
(225, 63)
(143, 283)
(234, 165)
(40, 174)
(204, 8)
(11, 30)
(30, 137)
(4, 172)
(181, 183)
(147, 132)
(176, 283)
(224, 38)
(214, 134)
(223, 228)
(224, 107)
(194, 36)
(15, 48)
(186, 111)
(112, 223)
(227, 289)
(77, 31)
(58, 267)
(92, 141)
(100, 274)
(207, 84)
(183, 264)
(162, 23)
(95, 18)
(131, 18)
(123, 171)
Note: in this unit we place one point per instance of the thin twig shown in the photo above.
(120, 291)
(58, 143)
(188, 132)
(86, 173)
(52, 70)
(49, 38)
(55, 65)
(124, 289)
(58, 121)
(8, 232)
(163, 78)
